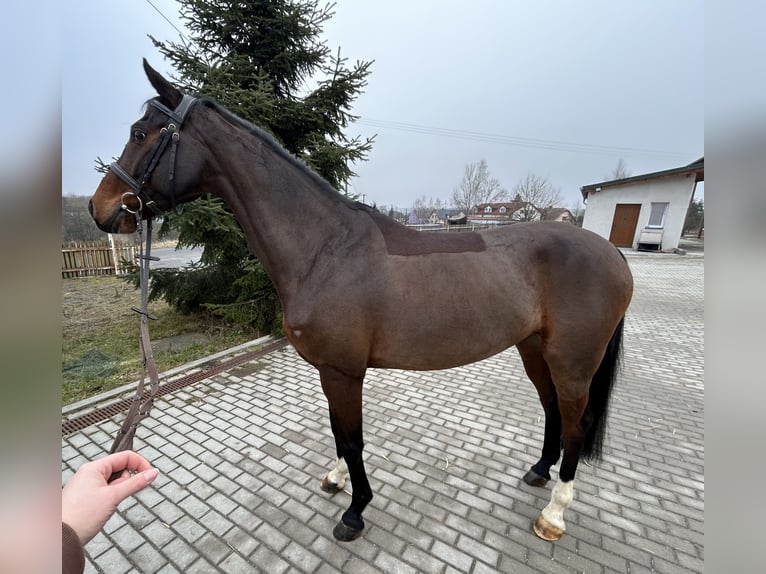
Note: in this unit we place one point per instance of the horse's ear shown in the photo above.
(169, 94)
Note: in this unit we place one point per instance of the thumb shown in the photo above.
(135, 483)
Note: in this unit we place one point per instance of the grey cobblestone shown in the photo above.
(147, 558)
(393, 565)
(241, 455)
(116, 561)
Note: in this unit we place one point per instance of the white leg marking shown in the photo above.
(339, 474)
(561, 498)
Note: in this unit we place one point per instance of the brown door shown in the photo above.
(624, 224)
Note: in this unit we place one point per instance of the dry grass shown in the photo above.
(100, 335)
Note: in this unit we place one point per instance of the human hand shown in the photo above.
(88, 500)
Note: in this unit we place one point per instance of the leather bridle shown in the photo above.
(169, 135)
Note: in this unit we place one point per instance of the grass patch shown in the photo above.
(100, 336)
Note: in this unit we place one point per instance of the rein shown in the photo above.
(169, 135)
(140, 410)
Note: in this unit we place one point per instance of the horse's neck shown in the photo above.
(286, 216)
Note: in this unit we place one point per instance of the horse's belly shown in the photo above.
(429, 361)
(429, 348)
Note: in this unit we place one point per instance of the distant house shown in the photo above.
(504, 212)
(558, 214)
(442, 216)
(434, 219)
(643, 211)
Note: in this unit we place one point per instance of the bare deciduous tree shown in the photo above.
(578, 212)
(76, 222)
(695, 218)
(477, 187)
(423, 207)
(619, 172)
(539, 195)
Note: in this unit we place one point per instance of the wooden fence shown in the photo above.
(89, 258)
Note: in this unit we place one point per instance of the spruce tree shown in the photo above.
(265, 61)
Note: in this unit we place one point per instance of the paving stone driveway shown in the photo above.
(241, 455)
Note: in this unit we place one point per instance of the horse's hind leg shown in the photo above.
(550, 524)
(344, 396)
(584, 379)
(540, 375)
(562, 424)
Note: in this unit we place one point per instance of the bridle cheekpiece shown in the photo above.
(169, 135)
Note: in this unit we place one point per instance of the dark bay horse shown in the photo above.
(358, 290)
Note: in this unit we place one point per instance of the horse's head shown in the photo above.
(159, 168)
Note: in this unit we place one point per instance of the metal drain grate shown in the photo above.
(102, 413)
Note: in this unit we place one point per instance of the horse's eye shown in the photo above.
(139, 136)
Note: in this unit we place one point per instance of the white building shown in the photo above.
(644, 211)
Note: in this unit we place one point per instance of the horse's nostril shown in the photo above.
(90, 207)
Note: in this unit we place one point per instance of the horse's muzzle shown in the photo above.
(111, 225)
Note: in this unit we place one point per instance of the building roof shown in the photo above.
(510, 206)
(555, 212)
(696, 168)
(445, 213)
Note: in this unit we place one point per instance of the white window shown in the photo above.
(657, 216)
(488, 209)
(502, 209)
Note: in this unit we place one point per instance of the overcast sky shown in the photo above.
(558, 88)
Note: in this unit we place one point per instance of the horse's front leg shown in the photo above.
(344, 397)
(335, 481)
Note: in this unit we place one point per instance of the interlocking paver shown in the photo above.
(147, 558)
(241, 455)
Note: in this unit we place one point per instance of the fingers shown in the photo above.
(88, 500)
(125, 487)
(119, 461)
(120, 477)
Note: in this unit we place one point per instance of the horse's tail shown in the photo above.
(598, 401)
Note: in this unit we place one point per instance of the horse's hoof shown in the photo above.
(534, 479)
(345, 533)
(546, 530)
(330, 487)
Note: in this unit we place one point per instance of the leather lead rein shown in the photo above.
(141, 407)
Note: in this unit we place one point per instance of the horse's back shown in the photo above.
(555, 250)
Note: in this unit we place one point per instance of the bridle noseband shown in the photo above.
(170, 134)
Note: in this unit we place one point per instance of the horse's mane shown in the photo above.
(280, 150)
